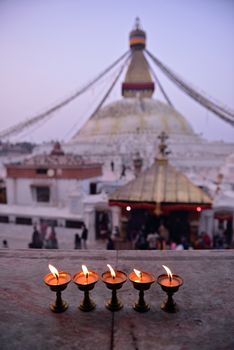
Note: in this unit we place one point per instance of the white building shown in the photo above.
(56, 187)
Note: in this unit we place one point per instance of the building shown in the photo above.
(221, 216)
(53, 187)
(159, 194)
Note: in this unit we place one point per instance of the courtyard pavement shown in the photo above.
(18, 237)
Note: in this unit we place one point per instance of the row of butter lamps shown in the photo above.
(114, 280)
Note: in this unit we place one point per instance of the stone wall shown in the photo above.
(206, 305)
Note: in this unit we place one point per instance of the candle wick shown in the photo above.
(86, 275)
(57, 277)
(170, 279)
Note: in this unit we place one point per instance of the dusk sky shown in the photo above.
(50, 48)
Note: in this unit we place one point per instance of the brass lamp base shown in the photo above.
(114, 307)
(60, 308)
(169, 305)
(141, 305)
(59, 305)
(114, 304)
(140, 308)
(87, 303)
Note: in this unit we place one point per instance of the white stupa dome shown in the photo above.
(134, 116)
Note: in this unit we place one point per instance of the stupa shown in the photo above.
(131, 125)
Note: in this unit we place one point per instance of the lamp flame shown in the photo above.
(54, 271)
(169, 273)
(138, 273)
(112, 271)
(85, 271)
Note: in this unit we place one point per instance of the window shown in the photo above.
(41, 171)
(73, 224)
(3, 196)
(43, 194)
(4, 219)
(23, 221)
(93, 188)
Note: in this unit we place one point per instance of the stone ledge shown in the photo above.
(205, 319)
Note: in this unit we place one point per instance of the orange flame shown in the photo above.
(85, 271)
(138, 273)
(169, 273)
(54, 271)
(112, 271)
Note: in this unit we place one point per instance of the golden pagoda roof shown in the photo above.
(161, 183)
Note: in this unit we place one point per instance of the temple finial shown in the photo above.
(138, 81)
(137, 23)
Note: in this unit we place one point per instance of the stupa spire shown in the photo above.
(138, 80)
(137, 37)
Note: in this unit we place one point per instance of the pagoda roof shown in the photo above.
(160, 184)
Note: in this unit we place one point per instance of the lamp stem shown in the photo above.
(141, 298)
(59, 301)
(114, 300)
(86, 301)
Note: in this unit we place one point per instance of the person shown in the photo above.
(163, 232)
(123, 171)
(179, 245)
(141, 242)
(110, 244)
(203, 241)
(185, 243)
(77, 241)
(152, 240)
(206, 240)
(5, 244)
(161, 243)
(36, 239)
(84, 236)
(51, 241)
(173, 245)
(43, 230)
(198, 243)
(116, 232)
(228, 234)
(112, 166)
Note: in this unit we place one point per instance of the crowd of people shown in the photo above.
(45, 237)
(161, 240)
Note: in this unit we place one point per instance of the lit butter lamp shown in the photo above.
(141, 281)
(114, 280)
(57, 281)
(170, 283)
(85, 281)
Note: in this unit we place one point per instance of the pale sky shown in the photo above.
(50, 48)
